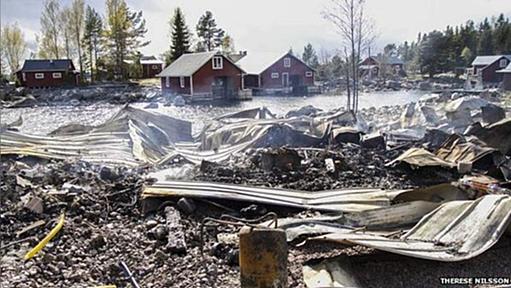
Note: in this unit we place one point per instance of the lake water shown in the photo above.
(42, 120)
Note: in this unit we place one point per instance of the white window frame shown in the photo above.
(275, 75)
(24, 75)
(287, 62)
(56, 75)
(39, 76)
(167, 82)
(502, 63)
(308, 74)
(218, 63)
(182, 82)
(477, 71)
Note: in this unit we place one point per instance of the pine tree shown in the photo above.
(91, 39)
(180, 36)
(124, 33)
(485, 45)
(210, 36)
(309, 56)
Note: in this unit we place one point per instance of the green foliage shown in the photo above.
(124, 35)
(13, 47)
(210, 36)
(180, 39)
(49, 41)
(309, 56)
(91, 39)
(444, 51)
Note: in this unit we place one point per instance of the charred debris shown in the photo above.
(139, 201)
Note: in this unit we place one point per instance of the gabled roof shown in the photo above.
(505, 70)
(258, 62)
(488, 59)
(187, 64)
(150, 60)
(391, 60)
(47, 65)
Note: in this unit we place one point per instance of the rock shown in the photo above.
(107, 174)
(492, 113)
(151, 223)
(152, 105)
(97, 241)
(424, 86)
(35, 204)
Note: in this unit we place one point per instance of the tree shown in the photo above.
(76, 23)
(228, 44)
(467, 56)
(485, 45)
(49, 45)
(91, 38)
(65, 28)
(432, 58)
(124, 33)
(13, 45)
(356, 31)
(210, 36)
(502, 35)
(309, 56)
(180, 39)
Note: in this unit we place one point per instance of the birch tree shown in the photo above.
(76, 23)
(49, 43)
(13, 46)
(356, 30)
(66, 31)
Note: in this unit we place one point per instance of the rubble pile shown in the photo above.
(138, 200)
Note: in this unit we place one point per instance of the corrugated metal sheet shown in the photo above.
(357, 199)
(455, 231)
(132, 137)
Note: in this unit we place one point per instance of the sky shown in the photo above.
(277, 25)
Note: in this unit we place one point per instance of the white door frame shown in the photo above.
(285, 79)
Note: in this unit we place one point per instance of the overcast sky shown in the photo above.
(277, 25)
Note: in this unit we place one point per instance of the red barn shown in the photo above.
(485, 68)
(203, 76)
(277, 73)
(150, 66)
(45, 73)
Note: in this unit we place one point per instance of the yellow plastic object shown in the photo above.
(46, 239)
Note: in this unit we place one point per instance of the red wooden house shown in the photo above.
(372, 66)
(485, 68)
(45, 73)
(277, 73)
(203, 76)
(150, 66)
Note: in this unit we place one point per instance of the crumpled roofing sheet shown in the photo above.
(131, 137)
(455, 231)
